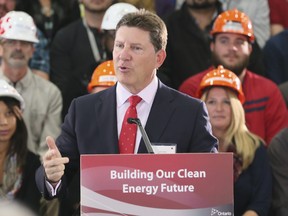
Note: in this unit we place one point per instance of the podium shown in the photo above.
(157, 184)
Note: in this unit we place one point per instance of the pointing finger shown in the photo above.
(52, 146)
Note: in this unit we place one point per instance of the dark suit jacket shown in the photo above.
(277, 152)
(91, 127)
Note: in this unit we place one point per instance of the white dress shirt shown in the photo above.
(143, 108)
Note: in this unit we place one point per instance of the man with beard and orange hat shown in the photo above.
(231, 46)
(188, 45)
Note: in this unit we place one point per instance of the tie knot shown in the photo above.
(134, 100)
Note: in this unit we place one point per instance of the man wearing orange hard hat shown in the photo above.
(231, 46)
(103, 77)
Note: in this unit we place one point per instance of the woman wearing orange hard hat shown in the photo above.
(222, 92)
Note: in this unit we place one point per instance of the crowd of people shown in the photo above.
(70, 68)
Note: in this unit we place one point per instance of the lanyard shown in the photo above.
(93, 43)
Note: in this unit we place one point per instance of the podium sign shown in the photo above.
(153, 184)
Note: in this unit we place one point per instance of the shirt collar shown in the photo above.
(147, 94)
(23, 83)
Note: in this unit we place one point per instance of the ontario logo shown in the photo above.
(215, 212)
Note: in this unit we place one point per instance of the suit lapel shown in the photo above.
(159, 115)
(108, 120)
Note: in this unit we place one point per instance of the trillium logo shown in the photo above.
(215, 212)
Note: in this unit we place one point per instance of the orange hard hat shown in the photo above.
(221, 77)
(233, 21)
(103, 75)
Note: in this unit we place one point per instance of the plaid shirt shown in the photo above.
(40, 59)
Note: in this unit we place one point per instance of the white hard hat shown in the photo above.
(18, 25)
(7, 90)
(114, 13)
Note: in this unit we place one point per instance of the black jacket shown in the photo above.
(72, 61)
(29, 194)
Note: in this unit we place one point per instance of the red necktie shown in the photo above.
(128, 131)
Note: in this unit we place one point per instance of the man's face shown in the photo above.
(96, 5)
(6, 6)
(232, 51)
(135, 58)
(16, 54)
(201, 4)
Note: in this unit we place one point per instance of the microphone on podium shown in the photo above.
(143, 132)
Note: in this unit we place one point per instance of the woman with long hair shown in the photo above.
(17, 163)
(222, 92)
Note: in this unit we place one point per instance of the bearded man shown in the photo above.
(188, 46)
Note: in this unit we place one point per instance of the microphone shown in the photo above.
(143, 132)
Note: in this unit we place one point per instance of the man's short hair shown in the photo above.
(149, 22)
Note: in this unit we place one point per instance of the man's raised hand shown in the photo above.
(53, 162)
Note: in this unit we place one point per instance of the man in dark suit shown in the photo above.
(94, 121)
